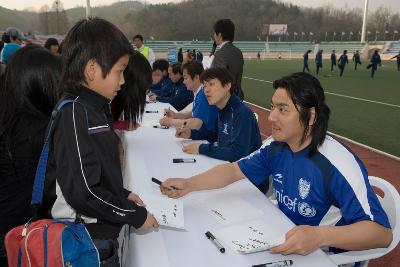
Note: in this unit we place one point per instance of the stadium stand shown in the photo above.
(393, 48)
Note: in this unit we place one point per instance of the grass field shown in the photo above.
(376, 124)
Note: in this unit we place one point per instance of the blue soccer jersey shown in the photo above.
(329, 188)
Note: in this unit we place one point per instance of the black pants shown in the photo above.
(355, 65)
(373, 70)
(108, 252)
(319, 66)
(332, 64)
(341, 70)
(305, 67)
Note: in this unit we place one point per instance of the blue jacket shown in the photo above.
(164, 87)
(318, 58)
(305, 56)
(181, 99)
(375, 59)
(343, 60)
(236, 135)
(333, 58)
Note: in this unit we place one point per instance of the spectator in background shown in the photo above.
(305, 61)
(333, 59)
(228, 56)
(343, 60)
(146, 51)
(128, 105)
(12, 39)
(52, 45)
(183, 96)
(318, 60)
(180, 55)
(356, 59)
(28, 94)
(189, 55)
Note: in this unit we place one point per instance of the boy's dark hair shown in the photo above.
(30, 84)
(306, 92)
(49, 42)
(131, 99)
(160, 64)
(138, 36)
(193, 68)
(176, 68)
(226, 28)
(222, 74)
(88, 39)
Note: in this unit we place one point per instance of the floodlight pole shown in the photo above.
(364, 25)
(88, 11)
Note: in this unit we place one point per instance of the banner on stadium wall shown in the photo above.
(172, 55)
(277, 29)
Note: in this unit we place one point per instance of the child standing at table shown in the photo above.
(84, 168)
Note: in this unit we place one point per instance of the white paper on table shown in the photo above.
(167, 211)
(250, 237)
(225, 209)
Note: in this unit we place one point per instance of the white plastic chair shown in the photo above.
(391, 204)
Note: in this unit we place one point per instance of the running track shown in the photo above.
(377, 164)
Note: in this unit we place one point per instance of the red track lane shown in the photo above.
(377, 165)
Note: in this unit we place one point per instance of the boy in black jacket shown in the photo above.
(84, 168)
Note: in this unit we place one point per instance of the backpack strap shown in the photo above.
(38, 186)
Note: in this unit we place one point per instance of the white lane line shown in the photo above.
(335, 94)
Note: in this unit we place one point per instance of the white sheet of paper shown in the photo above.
(225, 209)
(167, 211)
(249, 237)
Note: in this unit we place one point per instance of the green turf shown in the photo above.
(373, 124)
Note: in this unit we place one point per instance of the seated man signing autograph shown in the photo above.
(318, 183)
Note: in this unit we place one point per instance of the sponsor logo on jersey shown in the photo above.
(286, 200)
(304, 188)
(278, 178)
(306, 210)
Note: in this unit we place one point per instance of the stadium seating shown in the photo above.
(254, 47)
(394, 48)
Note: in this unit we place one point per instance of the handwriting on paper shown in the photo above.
(250, 237)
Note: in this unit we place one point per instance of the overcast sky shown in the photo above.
(394, 5)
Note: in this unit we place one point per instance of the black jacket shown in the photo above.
(84, 160)
(231, 58)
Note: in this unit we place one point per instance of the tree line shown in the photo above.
(194, 19)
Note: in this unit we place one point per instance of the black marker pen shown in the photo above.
(184, 160)
(275, 264)
(151, 111)
(161, 127)
(210, 236)
(155, 180)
